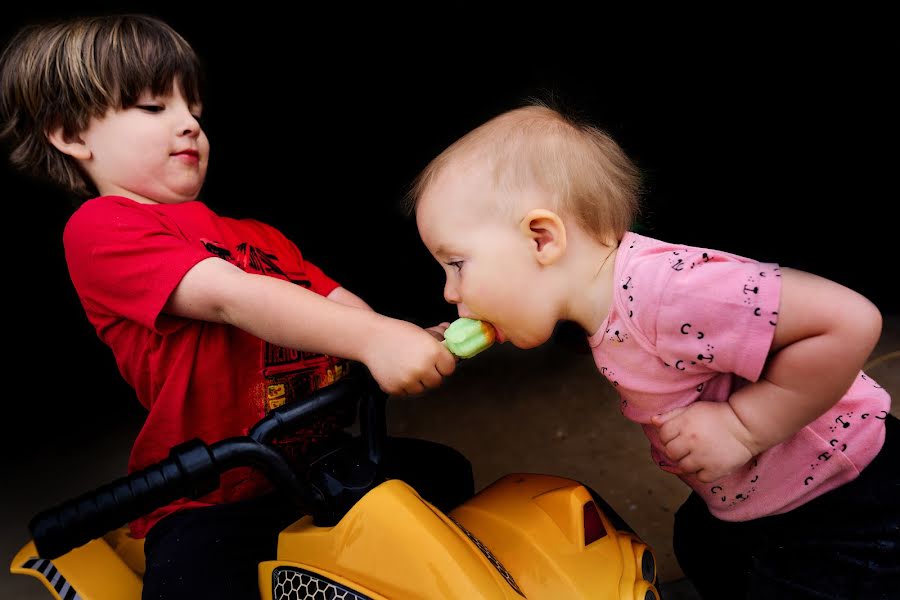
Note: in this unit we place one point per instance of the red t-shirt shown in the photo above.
(197, 379)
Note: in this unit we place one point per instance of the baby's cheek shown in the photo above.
(477, 290)
(503, 303)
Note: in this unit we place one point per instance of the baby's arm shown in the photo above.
(824, 333)
(402, 357)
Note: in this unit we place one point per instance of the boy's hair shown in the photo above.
(584, 170)
(63, 73)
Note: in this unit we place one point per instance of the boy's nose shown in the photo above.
(191, 127)
(188, 124)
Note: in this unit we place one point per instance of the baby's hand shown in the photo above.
(405, 359)
(705, 439)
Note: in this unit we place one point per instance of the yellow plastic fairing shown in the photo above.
(535, 526)
(392, 544)
(92, 572)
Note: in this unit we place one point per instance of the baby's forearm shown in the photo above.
(800, 383)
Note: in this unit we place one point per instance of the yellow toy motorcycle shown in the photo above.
(361, 536)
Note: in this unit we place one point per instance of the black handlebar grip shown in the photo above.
(188, 472)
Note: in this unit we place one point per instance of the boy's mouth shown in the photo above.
(188, 156)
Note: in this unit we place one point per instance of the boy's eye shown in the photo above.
(152, 108)
(456, 263)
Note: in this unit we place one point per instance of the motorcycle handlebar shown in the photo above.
(193, 469)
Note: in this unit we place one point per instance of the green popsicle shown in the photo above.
(467, 337)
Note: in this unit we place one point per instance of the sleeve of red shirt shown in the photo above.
(320, 283)
(718, 313)
(126, 261)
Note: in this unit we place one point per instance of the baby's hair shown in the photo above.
(61, 74)
(585, 172)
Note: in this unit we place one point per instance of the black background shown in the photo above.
(762, 135)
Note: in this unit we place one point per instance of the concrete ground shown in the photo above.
(545, 410)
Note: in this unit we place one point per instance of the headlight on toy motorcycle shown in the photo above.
(647, 566)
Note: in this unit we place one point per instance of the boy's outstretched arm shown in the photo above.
(348, 298)
(403, 358)
(823, 336)
(344, 296)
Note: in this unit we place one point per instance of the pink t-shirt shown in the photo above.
(691, 324)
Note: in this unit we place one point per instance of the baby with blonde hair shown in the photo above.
(745, 376)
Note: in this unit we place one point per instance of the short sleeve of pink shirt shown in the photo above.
(715, 311)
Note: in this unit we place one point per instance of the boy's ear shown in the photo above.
(548, 234)
(71, 145)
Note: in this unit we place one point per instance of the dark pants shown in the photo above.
(844, 544)
(213, 552)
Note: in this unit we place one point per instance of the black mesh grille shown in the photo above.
(291, 583)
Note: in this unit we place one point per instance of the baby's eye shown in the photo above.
(456, 263)
(151, 108)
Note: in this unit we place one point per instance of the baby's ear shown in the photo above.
(72, 145)
(547, 233)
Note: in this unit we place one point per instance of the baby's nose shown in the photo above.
(451, 294)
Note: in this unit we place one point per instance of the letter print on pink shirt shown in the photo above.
(695, 324)
(840, 431)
